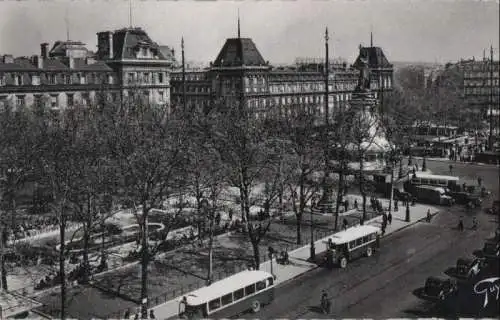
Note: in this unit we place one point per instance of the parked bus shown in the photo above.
(420, 178)
(352, 243)
(244, 291)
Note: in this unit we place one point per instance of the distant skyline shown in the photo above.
(410, 31)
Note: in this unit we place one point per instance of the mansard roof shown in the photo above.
(239, 52)
(376, 57)
(127, 40)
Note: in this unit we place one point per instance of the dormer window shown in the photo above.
(145, 52)
(18, 80)
(35, 80)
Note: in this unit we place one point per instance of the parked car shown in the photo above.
(491, 250)
(437, 289)
(466, 268)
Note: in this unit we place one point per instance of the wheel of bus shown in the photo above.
(369, 252)
(343, 262)
(255, 306)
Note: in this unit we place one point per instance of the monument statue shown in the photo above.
(364, 75)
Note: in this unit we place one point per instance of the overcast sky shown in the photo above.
(432, 30)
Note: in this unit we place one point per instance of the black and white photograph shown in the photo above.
(249, 159)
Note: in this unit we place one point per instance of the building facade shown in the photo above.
(127, 62)
(240, 72)
(481, 85)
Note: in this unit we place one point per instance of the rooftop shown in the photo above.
(354, 233)
(376, 57)
(239, 52)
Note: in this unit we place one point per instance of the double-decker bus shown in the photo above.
(244, 291)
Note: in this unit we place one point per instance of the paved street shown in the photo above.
(382, 286)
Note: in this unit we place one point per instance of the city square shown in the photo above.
(207, 168)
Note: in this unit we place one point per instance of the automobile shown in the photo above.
(466, 268)
(495, 208)
(462, 197)
(437, 289)
(491, 250)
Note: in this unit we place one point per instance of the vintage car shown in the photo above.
(466, 268)
(437, 289)
(491, 250)
(466, 198)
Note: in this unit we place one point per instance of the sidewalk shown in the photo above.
(473, 163)
(298, 258)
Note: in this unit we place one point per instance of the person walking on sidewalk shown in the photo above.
(479, 180)
(346, 205)
(345, 224)
(461, 224)
(428, 219)
(355, 203)
(389, 218)
(451, 168)
(152, 314)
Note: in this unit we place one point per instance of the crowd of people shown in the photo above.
(32, 225)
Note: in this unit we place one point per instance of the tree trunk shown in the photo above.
(62, 258)
(362, 187)
(339, 196)
(3, 266)
(87, 226)
(256, 254)
(299, 228)
(144, 263)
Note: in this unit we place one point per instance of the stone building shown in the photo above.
(127, 61)
(240, 72)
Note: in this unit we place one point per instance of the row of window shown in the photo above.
(239, 294)
(360, 241)
(52, 79)
(191, 89)
(481, 73)
(84, 98)
(481, 90)
(480, 83)
(189, 76)
(146, 77)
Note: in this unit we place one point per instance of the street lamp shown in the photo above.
(312, 251)
(407, 217)
(205, 206)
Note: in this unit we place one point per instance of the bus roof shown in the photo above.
(423, 186)
(421, 175)
(354, 233)
(226, 286)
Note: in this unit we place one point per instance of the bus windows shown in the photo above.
(366, 239)
(352, 244)
(442, 183)
(214, 304)
(261, 285)
(270, 281)
(238, 294)
(250, 290)
(359, 242)
(227, 299)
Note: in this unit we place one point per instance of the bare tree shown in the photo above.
(302, 160)
(253, 159)
(147, 147)
(16, 156)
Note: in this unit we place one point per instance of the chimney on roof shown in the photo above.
(8, 58)
(37, 61)
(43, 50)
(71, 63)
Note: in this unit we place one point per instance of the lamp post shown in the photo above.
(312, 249)
(209, 212)
(407, 217)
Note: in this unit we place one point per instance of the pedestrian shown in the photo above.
(217, 219)
(136, 317)
(345, 224)
(126, 315)
(384, 218)
(384, 225)
(451, 169)
(461, 224)
(429, 215)
(346, 205)
(230, 214)
(464, 186)
(389, 218)
(152, 314)
(356, 203)
(479, 181)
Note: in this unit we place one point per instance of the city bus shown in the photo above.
(245, 291)
(352, 243)
(420, 178)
